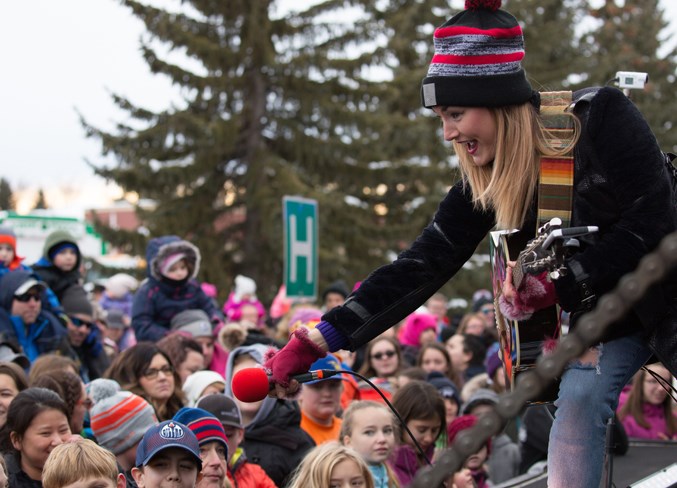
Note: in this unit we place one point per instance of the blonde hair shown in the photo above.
(316, 468)
(75, 461)
(508, 185)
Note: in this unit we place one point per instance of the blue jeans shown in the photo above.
(588, 397)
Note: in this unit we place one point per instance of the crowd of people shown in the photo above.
(137, 379)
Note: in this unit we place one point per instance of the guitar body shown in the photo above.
(521, 342)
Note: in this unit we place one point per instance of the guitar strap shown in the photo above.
(556, 179)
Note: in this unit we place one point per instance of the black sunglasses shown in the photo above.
(28, 296)
(380, 355)
(79, 322)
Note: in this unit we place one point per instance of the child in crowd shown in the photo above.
(169, 454)
(244, 294)
(202, 383)
(213, 445)
(241, 472)
(81, 463)
(118, 293)
(9, 259)
(418, 329)
(330, 465)
(320, 402)
(59, 265)
(475, 462)
(645, 409)
(119, 419)
(197, 325)
(273, 436)
(170, 288)
(423, 412)
(369, 428)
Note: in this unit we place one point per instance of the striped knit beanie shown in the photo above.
(120, 420)
(204, 425)
(477, 61)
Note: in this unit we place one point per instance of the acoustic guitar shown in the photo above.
(521, 342)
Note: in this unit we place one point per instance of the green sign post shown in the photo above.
(300, 247)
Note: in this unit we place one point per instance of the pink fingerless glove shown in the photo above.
(294, 358)
(535, 293)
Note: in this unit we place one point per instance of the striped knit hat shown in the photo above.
(119, 419)
(204, 425)
(477, 61)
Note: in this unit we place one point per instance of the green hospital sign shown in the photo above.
(300, 247)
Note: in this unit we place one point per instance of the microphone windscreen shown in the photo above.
(250, 385)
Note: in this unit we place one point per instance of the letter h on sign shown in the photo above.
(300, 247)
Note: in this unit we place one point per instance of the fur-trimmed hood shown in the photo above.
(160, 248)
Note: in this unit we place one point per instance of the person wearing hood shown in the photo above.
(59, 266)
(273, 438)
(23, 320)
(171, 287)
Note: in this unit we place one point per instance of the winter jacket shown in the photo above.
(654, 416)
(57, 279)
(405, 463)
(158, 298)
(621, 185)
(273, 439)
(46, 335)
(243, 474)
(504, 460)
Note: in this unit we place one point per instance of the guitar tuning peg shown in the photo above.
(554, 275)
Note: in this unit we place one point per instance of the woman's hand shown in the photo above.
(294, 358)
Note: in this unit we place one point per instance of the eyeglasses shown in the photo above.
(28, 296)
(385, 354)
(80, 323)
(151, 373)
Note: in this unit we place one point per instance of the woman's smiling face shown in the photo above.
(473, 128)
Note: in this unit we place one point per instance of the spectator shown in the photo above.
(202, 383)
(320, 402)
(369, 428)
(449, 393)
(418, 329)
(334, 295)
(9, 259)
(145, 370)
(11, 353)
(168, 454)
(433, 357)
(437, 305)
(84, 335)
(213, 445)
(59, 266)
(410, 374)
(81, 463)
(273, 437)
(505, 457)
(423, 412)
(169, 289)
(196, 324)
(37, 421)
(244, 294)
(475, 462)
(71, 390)
(645, 410)
(118, 294)
(467, 354)
(23, 321)
(119, 419)
(332, 465)
(186, 354)
(12, 381)
(241, 472)
(383, 360)
(51, 362)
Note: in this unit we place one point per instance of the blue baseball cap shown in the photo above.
(330, 362)
(169, 433)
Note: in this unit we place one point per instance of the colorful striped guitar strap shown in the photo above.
(556, 180)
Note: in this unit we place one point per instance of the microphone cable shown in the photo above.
(394, 410)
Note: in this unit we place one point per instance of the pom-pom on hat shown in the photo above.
(460, 424)
(477, 60)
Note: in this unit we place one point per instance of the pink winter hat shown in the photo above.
(415, 325)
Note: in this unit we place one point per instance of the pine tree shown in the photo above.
(40, 202)
(629, 37)
(6, 196)
(284, 105)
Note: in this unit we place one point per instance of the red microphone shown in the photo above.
(253, 384)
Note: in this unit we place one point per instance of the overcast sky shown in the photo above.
(61, 56)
